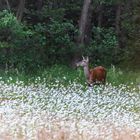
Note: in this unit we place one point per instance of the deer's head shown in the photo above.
(83, 63)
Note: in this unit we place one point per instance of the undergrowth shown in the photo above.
(65, 74)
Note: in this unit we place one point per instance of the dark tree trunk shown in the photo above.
(83, 22)
(84, 25)
(120, 30)
(100, 15)
(8, 5)
(20, 10)
(1, 5)
(99, 20)
(83, 28)
(118, 24)
(88, 29)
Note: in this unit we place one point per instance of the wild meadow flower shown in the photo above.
(94, 111)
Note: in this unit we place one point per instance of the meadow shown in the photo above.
(56, 104)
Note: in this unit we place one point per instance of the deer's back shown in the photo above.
(97, 74)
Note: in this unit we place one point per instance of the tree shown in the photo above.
(8, 5)
(100, 15)
(83, 21)
(102, 26)
(20, 10)
(118, 24)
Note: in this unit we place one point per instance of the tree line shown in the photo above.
(35, 34)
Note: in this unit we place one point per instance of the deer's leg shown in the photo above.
(89, 84)
(103, 81)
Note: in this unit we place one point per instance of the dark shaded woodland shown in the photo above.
(39, 33)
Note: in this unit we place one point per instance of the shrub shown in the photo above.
(60, 41)
(12, 31)
(103, 47)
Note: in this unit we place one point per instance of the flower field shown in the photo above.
(52, 111)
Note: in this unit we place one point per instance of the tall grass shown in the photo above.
(118, 76)
(65, 74)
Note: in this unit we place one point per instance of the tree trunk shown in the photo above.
(1, 5)
(100, 15)
(83, 22)
(88, 29)
(117, 24)
(99, 20)
(120, 30)
(20, 10)
(8, 5)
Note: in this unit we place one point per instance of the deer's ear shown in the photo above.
(87, 59)
(83, 57)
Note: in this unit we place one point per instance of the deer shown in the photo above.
(95, 75)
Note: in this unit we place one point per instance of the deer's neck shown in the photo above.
(86, 72)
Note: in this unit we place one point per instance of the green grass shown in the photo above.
(65, 75)
(117, 76)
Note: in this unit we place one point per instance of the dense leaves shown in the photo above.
(48, 32)
(12, 31)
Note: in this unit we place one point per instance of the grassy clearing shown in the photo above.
(65, 74)
(56, 104)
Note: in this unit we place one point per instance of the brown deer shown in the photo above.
(95, 75)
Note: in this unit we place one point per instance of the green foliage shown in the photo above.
(12, 31)
(7, 20)
(60, 40)
(132, 27)
(118, 76)
(107, 37)
(15, 37)
(28, 44)
(56, 14)
(47, 34)
(61, 33)
(39, 36)
(103, 48)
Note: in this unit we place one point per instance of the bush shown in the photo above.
(14, 37)
(30, 47)
(12, 31)
(103, 47)
(60, 41)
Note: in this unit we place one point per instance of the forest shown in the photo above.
(47, 89)
(41, 33)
